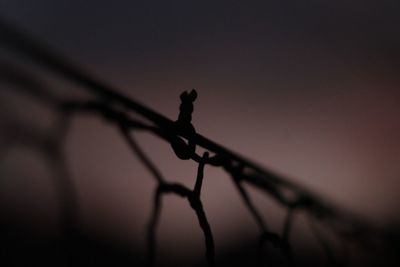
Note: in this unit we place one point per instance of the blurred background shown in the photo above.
(307, 89)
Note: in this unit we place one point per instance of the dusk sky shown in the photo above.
(308, 89)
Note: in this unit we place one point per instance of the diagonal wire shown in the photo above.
(24, 44)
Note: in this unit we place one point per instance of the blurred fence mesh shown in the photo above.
(116, 109)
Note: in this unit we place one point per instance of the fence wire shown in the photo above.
(183, 138)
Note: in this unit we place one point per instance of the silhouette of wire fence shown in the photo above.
(181, 134)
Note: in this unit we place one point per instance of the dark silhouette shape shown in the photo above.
(193, 196)
(175, 133)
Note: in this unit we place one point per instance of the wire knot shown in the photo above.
(186, 107)
(185, 127)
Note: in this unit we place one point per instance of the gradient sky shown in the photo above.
(308, 89)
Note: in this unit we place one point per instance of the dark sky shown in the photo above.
(307, 88)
